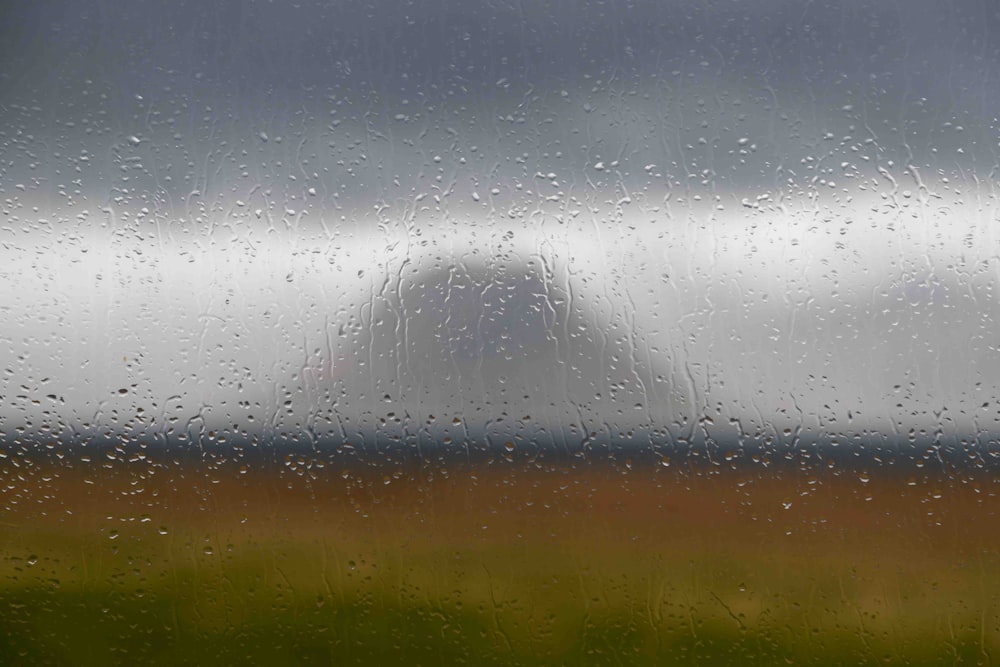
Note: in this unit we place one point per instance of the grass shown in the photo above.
(313, 561)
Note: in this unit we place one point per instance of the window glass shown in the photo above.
(558, 332)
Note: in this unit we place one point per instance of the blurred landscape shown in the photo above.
(306, 559)
(541, 333)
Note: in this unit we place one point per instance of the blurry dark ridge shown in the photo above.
(641, 451)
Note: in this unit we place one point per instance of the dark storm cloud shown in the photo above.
(250, 47)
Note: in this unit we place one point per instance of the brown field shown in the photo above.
(312, 561)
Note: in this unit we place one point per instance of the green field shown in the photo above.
(313, 562)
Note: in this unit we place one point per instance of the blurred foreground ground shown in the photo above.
(134, 559)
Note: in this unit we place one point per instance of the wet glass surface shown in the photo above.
(519, 333)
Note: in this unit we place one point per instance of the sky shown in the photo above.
(742, 220)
